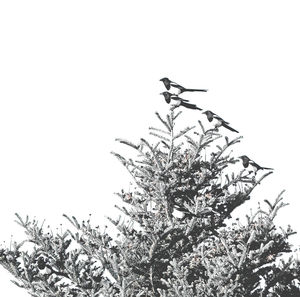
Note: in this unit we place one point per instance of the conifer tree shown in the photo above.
(175, 235)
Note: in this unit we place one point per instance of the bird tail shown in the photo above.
(267, 168)
(195, 90)
(229, 128)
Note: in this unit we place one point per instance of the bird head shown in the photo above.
(244, 157)
(166, 82)
(209, 115)
(167, 96)
(245, 160)
(208, 112)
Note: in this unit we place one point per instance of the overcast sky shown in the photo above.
(75, 75)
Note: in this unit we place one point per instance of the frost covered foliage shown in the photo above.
(175, 237)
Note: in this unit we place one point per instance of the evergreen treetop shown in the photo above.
(176, 235)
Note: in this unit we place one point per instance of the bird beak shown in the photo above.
(160, 93)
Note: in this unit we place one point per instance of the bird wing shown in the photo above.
(219, 118)
(255, 165)
(175, 97)
(176, 85)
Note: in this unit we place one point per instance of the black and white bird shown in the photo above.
(219, 122)
(168, 96)
(168, 84)
(179, 101)
(247, 161)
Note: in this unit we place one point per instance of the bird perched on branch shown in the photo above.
(168, 84)
(219, 121)
(246, 161)
(180, 101)
(168, 96)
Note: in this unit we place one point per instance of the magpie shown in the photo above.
(219, 121)
(180, 101)
(168, 84)
(168, 96)
(246, 161)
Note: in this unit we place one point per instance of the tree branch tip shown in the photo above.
(282, 192)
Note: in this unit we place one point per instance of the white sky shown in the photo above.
(74, 75)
